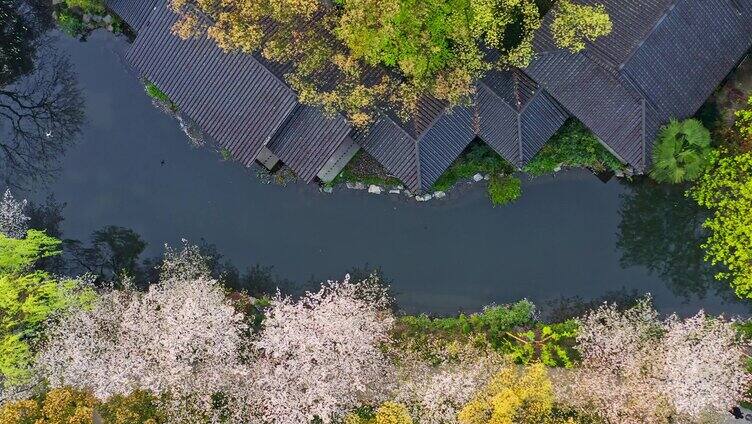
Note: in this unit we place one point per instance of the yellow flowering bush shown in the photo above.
(513, 396)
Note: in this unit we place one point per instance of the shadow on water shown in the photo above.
(661, 229)
(133, 168)
(41, 108)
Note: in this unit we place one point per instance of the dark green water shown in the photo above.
(570, 235)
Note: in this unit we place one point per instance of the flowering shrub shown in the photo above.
(512, 396)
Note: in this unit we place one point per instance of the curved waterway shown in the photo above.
(562, 239)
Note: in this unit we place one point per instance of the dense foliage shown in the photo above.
(155, 93)
(28, 297)
(744, 121)
(504, 189)
(95, 7)
(510, 330)
(682, 152)
(638, 368)
(357, 56)
(187, 350)
(512, 396)
(71, 406)
(727, 191)
(572, 146)
(479, 158)
(577, 23)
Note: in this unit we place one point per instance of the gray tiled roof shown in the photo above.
(394, 148)
(234, 98)
(662, 60)
(420, 150)
(306, 142)
(135, 13)
(515, 116)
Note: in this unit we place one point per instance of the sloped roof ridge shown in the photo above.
(515, 110)
(671, 7)
(192, 5)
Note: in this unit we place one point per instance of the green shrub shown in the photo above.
(94, 7)
(155, 93)
(682, 152)
(726, 190)
(504, 189)
(494, 322)
(479, 158)
(364, 169)
(551, 344)
(510, 330)
(226, 154)
(572, 146)
(70, 23)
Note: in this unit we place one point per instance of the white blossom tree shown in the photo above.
(702, 365)
(321, 355)
(13, 221)
(637, 368)
(182, 338)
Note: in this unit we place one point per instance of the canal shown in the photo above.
(570, 235)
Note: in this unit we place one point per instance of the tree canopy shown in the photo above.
(682, 152)
(27, 298)
(727, 191)
(358, 56)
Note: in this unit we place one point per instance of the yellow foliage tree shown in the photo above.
(363, 56)
(387, 413)
(393, 413)
(70, 406)
(577, 23)
(513, 396)
(59, 406)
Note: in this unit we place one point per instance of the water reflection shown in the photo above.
(661, 229)
(41, 106)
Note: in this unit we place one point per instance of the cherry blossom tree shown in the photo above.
(13, 219)
(321, 355)
(702, 365)
(637, 368)
(181, 338)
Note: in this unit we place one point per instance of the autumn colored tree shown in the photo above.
(359, 56)
(67, 405)
(60, 406)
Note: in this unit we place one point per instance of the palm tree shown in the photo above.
(682, 152)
